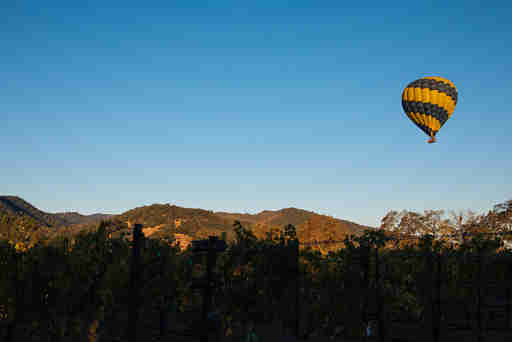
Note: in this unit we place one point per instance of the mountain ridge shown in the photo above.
(14, 205)
(162, 220)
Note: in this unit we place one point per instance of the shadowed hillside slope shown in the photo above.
(14, 210)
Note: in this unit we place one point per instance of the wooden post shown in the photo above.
(208, 289)
(164, 308)
(365, 263)
(428, 301)
(295, 251)
(354, 285)
(477, 326)
(378, 297)
(18, 287)
(479, 298)
(436, 322)
(508, 299)
(134, 283)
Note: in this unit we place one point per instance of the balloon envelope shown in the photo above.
(429, 102)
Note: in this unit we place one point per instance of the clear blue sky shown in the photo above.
(245, 106)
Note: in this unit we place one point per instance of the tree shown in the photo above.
(500, 218)
(244, 237)
(390, 221)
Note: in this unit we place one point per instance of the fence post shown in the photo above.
(164, 305)
(380, 314)
(508, 299)
(437, 318)
(208, 289)
(428, 307)
(16, 279)
(479, 297)
(364, 261)
(353, 282)
(477, 327)
(295, 251)
(134, 283)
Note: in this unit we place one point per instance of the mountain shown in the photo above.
(310, 225)
(72, 218)
(200, 223)
(273, 218)
(16, 208)
(165, 220)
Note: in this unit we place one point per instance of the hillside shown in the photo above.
(199, 223)
(72, 218)
(307, 222)
(16, 209)
(15, 206)
(194, 222)
(166, 220)
(272, 218)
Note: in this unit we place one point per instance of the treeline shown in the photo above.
(441, 226)
(70, 288)
(80, 287)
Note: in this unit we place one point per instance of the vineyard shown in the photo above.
(96, 287)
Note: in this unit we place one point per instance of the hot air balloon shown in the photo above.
(429, 102)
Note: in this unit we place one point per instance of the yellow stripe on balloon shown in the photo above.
(425, 120)
(417, 94)
(426, 95)
(442, 100)
(421, 119)
(438, 125)
(413, 117)
(434, 97)
(404, 94)
(410, 94)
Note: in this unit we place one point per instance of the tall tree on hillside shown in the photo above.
(461, 220)
(431, 221)
(390, 221)
(243, 235)
(500, 218)
(411, 223)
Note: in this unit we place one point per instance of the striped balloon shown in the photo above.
(429, 102)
